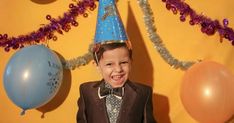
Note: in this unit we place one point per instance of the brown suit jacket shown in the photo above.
(136, 106)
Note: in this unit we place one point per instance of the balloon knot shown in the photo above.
(43, 115)
(23, 112)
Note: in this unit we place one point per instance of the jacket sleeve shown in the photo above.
(148, 110)
(81, 115)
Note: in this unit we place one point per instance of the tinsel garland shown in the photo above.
(79, 61)
(157, 41)
(47, 32)
(208, 26)
(64, 24)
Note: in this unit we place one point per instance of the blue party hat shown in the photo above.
(109, 28)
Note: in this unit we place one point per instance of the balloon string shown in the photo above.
(22, 113)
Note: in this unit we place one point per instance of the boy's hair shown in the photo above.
(100, 49)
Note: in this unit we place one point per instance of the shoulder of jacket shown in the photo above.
(140, 86)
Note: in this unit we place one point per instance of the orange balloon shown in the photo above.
(207, 92)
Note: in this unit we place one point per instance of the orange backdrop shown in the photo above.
(185, 42)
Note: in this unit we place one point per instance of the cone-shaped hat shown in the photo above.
(109, 27)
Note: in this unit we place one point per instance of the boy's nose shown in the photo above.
(118, 68)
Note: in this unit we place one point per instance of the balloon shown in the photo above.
(207, 92)
(43, 1)
(33, 76)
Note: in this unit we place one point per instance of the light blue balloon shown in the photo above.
(33, 76)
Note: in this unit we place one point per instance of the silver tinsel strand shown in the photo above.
(157, 41)
(79, 61)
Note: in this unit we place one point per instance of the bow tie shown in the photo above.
(104, 91)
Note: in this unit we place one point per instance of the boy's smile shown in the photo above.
(115, 66)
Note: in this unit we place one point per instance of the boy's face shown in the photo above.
(115, 66)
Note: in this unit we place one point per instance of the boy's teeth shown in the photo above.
(116, 77)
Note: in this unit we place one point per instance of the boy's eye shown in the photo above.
(108, 64)
(124, 62)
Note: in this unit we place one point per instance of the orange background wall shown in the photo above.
(182, 40)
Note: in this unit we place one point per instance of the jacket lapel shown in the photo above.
(128, 101)
(101, 104)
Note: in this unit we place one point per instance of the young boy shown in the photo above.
(114, 99)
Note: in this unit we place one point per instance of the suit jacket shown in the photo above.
(136, 106)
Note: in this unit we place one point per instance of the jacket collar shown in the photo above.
(130, 95)
(98, 84)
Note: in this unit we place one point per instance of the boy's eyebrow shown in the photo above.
(119, 60)
(107, 61)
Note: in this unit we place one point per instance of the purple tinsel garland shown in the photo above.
(47, 31)
(208, 26)
(64, 24)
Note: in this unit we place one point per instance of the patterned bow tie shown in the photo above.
(104, 91)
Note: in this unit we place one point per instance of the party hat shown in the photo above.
(109, 27)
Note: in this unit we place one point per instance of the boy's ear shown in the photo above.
(97, 66)
(94, 63)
